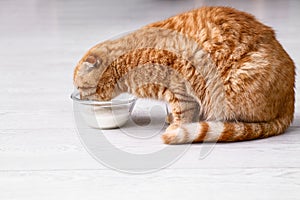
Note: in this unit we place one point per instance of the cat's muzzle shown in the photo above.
(87, 92)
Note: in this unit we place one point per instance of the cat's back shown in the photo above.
(223, 32)
(250, 62)
(213, 19)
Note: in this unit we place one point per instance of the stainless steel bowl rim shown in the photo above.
(117, 102)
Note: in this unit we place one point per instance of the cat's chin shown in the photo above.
(92, 97)
(88, 93)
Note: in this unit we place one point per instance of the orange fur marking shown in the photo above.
(203, 131)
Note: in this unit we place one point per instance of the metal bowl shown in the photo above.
(104, 114)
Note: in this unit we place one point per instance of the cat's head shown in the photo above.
(88, 78)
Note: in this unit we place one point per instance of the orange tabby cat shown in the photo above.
(224, 74)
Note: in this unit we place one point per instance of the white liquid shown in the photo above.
(104, 118)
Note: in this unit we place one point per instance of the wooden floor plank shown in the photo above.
(42, 156)
(257, 183)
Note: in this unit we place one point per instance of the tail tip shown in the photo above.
(173, 135)
(168, 138)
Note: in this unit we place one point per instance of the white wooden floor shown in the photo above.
(41, 156)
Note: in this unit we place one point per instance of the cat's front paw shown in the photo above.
(174, 135)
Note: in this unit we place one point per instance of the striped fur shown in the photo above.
(224, 74)
(223, 131)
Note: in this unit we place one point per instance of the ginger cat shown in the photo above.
(224, 74)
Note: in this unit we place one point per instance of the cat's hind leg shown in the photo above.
(184, 108)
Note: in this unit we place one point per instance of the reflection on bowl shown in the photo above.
(105, 114)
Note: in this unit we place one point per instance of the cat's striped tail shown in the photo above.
(211, 131)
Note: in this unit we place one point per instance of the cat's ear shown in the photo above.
(91, 59)
(95, 61)
(91, 62)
